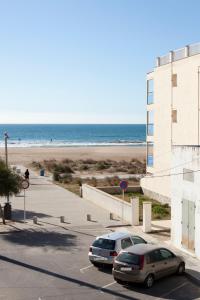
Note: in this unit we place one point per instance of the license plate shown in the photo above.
(126, 269)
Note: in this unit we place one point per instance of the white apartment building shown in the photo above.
(173, 107)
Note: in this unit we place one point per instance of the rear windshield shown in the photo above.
(104, 244)
(129, 258)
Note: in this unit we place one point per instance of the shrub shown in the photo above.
(159, 210)
(84, 168)
(56, 176)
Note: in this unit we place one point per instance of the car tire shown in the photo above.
(118, 280)
(149, 281)
(95, 264)
(181, 269)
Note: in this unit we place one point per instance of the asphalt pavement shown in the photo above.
(51, 263)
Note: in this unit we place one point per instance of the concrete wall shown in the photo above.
(184, 98)
(108, 202)
(189, 158)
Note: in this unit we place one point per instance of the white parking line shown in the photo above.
(107, 285)
(85, 268)
(172, 291)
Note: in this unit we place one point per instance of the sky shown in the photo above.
(85, 61)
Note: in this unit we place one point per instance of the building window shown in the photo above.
(174, 116)
(150, 98)
(174, 80)
(149, 154)
(150, 123)
(188, 175)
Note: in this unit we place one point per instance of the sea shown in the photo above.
(68, 135)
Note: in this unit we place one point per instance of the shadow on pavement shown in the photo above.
(18, 214)
(34, 238)
(173, 287)
(66, 278)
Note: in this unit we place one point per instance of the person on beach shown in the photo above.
(27, 174)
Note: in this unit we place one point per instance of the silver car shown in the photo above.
(145, 264)
(106, 247)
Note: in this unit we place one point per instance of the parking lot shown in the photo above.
(52, 263)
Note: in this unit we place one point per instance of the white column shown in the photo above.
(158, 62)
(146, 217)
(171, 56)
(186, 51)
(135, 211)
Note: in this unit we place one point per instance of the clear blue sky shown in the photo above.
(85, 61)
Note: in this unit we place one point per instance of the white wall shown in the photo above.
(185, 157)
(108, 202)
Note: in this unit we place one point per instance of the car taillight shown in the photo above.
(141, 262)
(90, 250)
(113, 253)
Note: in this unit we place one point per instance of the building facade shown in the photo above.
(185, 198)
(173, 116)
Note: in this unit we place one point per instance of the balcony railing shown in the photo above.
(150, 129)
(150, 160)
(178, 54)
(150, 98)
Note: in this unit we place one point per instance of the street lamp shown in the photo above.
(6, 147)
(6, 137)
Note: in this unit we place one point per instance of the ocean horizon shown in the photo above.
(73, 135)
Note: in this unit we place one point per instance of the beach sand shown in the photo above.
(25, 156)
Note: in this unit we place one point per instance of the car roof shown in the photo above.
(142, 249)
(114, 235)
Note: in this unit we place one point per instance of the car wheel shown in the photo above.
(149, 281)
(118, 281)
(181, 269)
(96, 264)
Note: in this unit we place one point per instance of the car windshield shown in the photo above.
(104, 244)
(129, 258)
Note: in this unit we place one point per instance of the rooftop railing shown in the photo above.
(178, 54)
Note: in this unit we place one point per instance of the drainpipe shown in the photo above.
(198, 102)
(171, 61)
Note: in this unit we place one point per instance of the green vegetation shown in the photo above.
(159, 211)
(10, 183)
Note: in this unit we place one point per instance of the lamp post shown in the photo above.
(6, 147)
(6, 154)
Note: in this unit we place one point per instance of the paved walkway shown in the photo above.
(48, 202)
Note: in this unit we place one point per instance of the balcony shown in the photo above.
(150, 129)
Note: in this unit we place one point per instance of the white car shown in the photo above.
(106, 247)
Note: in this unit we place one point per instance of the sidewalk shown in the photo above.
(163, 239)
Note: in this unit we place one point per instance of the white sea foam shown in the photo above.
(39, 143)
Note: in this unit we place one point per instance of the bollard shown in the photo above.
(81, 192)
(135, 211)
(35, 220)
(89, 218)
(62, 219)
(111, 216)
(147, 217)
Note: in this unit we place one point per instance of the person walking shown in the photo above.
(26, 174)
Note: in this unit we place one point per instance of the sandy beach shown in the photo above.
(27, 155)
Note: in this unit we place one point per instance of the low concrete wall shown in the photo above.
(156, 196)
(113, 190)
(108, 202)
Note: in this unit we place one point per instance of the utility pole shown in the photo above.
(6, 147)
(6, 154)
